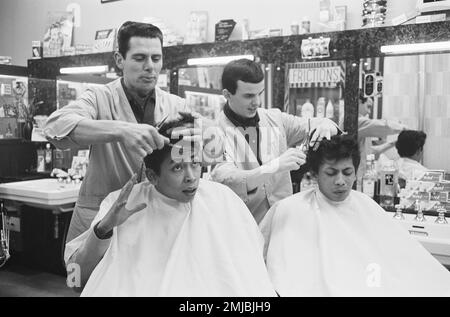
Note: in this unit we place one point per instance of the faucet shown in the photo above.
(399, 212)
(419, 217)
(441, 216)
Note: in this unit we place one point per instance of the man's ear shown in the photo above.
(226, 94)
(151, 176)
(119, 60)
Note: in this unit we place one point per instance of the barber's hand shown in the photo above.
(142, 139)
(191, 132)
(325, 128)
(118, 214)
(207, 135)
(291, 160)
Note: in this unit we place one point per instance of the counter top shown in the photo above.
(46, 192)
(433, 236)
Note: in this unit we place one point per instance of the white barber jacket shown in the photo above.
(278, 131)
(111, 165)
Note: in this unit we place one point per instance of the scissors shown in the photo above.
(158, 127)
(305, 144)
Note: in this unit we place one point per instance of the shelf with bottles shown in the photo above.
(48, 158)
(316, 89)
(323, 107)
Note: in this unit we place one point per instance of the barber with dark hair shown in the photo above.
(260, 144)
(117, 120)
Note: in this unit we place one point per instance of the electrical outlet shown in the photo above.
(13, 223)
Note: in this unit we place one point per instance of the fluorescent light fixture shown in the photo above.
(221, 60)
(415, 48)
(84, 70)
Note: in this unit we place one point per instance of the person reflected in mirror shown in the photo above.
(409, 146)
(373, 128)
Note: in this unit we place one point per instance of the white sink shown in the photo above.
(434, 237)
(43, 192)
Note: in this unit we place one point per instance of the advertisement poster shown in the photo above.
(58, 35)
(316, 89)
(197, 27)
(104, 41)
(13, 105)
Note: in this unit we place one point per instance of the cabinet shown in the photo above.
(38, 215)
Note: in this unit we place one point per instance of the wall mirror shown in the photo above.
(202, 88)
(415, 91)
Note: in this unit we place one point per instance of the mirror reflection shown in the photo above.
(70, 87)
(202, 88)
(411, 90)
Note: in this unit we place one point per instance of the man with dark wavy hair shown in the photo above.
(116, 120)
(335, 241)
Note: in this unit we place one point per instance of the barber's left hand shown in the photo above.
(205, 133)
(324, 128)
(190, 133)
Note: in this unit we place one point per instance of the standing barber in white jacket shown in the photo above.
(259, 143)
(116, 121)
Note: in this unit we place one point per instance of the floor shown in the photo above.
(17, 280)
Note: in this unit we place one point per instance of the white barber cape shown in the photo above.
(210, 246)
(317, 247)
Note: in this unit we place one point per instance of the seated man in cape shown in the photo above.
(334, 241)
(176, 236)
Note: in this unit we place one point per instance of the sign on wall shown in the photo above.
(316, 89)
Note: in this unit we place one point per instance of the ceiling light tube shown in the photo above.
(221, 60)
(84, 70)
(415, 48)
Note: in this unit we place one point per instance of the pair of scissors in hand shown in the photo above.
(304, 146)
(307, 144)
(158, 127)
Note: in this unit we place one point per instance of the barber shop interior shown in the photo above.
(300, 150)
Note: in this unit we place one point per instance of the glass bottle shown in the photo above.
(388, 184)
(307, 109)
(48, 157)
(320, 107)
(370, 177)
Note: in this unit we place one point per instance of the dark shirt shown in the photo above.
(144, 113)
(245, 123)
